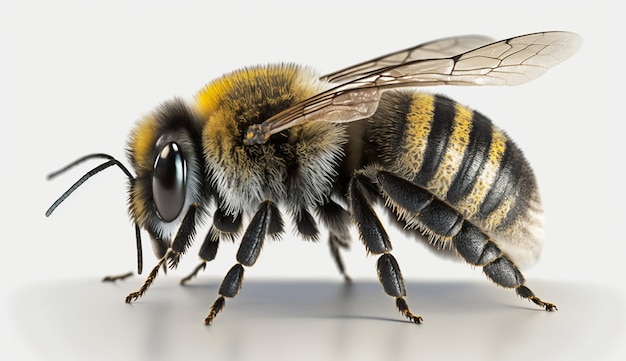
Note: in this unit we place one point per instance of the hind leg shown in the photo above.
(376, 241)
(420, 209)
(477, 249)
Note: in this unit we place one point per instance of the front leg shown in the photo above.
(115, 278)
(179, 246)
(121, 277)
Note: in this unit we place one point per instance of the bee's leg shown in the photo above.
(159, 250)
(477, 249)
(179, 246)
(184, 237)
(207, 253)
(306, 225)
(120, 277)
(149, 280)
(420, 209)
(336, 219)
(376, 241)
(266, 221)
(224, 227)
(335, 242)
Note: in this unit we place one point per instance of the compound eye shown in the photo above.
(169, 182)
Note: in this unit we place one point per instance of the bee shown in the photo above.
(269, 140)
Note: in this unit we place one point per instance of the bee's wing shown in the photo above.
(442, 48)
(507, 62)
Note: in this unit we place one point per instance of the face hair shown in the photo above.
(111, 161)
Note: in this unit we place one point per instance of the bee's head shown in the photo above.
(164, 149)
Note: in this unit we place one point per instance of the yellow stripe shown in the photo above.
(419, 119)
(283, 82)
(471, 204)
(210, 97)
(142, 140)
(496, 217)
(453, 158)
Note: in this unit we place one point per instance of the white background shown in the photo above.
(74, 77)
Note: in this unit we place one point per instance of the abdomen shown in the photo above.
(461, 158)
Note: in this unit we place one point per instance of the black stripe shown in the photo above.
(504, 184)
(474, 158)
(396, 110)
(440, 130)
(524, 186)
(388, 128)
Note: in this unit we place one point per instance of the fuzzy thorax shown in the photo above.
(296, 167)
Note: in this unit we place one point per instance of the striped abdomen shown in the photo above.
(463, 159)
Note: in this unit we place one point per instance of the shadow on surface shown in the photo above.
(302, 320)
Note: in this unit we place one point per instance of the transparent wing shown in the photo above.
(437, 49)
(507, 62)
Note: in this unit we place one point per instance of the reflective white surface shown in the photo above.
(288, 320)
(76, 75)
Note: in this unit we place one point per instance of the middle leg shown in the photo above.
(266, 221)
(336, 219)
(225, 227)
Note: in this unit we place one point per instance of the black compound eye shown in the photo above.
(169, 182)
